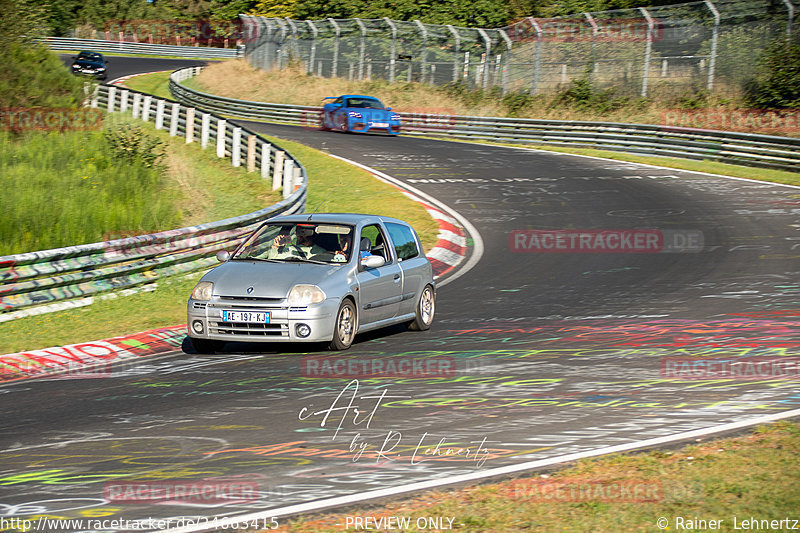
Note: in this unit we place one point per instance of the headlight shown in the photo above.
(302, 295)
(202, 291)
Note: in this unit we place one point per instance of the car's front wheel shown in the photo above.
(206, 346)
(344, 330)
(426, 308)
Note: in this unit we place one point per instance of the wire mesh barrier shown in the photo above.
(708, 44)
(38, 282)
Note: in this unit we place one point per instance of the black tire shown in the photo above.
(344, 329)
(206, 346)
(426, 308)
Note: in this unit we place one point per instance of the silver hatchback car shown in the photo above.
(314, 278)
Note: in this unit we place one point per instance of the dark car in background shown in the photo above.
(89, 63)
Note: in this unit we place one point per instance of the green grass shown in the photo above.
(156, 84)
(49, 178)
(752, 476)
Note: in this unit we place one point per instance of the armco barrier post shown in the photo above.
(112, 92)
(190, 125)
(277, 174)
(221, 128)
(288, 176)
(266, 150)
(236, 147)
(123, 100)
(137, 100)
(160, 114)
(251, 153)
(146, 108)
(173, 120)
(205, 130)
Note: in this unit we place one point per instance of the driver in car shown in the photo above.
(306, 244)
(283, 246)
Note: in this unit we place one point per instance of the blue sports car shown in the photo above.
(358, 113)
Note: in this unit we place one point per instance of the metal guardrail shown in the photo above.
(782, 153)
(43, 277)
(124, 47)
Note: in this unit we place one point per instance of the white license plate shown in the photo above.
(380, 124)
(249, 317)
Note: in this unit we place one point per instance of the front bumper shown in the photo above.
(205, 320)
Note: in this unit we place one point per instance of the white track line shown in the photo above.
(338, 501)
(477, 248)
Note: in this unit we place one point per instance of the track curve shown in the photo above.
(532, 355)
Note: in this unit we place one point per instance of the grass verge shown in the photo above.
(741, 478)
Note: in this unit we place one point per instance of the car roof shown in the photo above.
(336, 218)
(359, 96)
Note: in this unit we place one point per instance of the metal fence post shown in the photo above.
(393, 58)
(790, 9)
(647, 50)
(424, 62)
(455, 52)
(537, 58)
(236, 147)
(504, 82)
(594, 42)
(190, 125)
(205, 129)
(361, 48)
(112, 93)
(160, 114)
(338, 32)
(714, 38)
(485, 58)
(313, 52)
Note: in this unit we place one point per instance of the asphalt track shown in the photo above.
(533, 354)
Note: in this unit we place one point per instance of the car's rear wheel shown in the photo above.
(426, 308)
(344, 330)
(322, 125)
(206, 346)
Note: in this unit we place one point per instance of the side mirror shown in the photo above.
(373, 261)
(388, 109)
(223, 255)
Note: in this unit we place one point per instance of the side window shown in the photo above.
(405, 244)
(372, 242)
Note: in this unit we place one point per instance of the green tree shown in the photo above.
(275, 8)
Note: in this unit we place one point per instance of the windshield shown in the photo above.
(293, 241)
(368, 103)
(88, 56)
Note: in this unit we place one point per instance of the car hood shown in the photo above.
(373, 114)
(268, 280)
(88, 64)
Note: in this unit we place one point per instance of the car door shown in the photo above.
(414, 266)
(380, 289)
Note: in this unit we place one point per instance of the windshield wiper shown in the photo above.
(265, 259)
(303, 260)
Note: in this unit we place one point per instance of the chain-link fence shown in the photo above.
(709, 44)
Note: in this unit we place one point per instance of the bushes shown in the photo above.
(776, 84)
